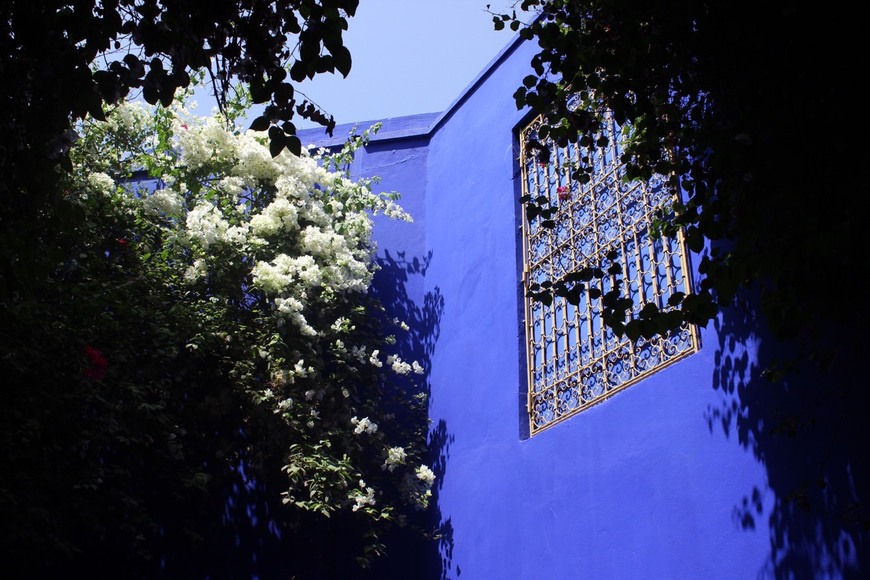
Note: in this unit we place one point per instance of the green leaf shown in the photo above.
(618, 328)
(259, 92)
(261, 123)
(149, 93)
(342, 60)
(694, 239)
(669, 321)
(573, 296)
(632, 330)
(648, 329)
(277, 142)
(298, 72)
(294, 145)
(649, 310)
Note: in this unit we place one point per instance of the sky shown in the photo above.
(409, 57)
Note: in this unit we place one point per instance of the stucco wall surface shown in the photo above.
(666, 480)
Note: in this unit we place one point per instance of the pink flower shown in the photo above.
(564, 194)
(98, 363)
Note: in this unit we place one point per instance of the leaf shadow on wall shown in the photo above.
(807, 426)
(426, 557)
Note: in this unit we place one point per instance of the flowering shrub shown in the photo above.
(228, 291)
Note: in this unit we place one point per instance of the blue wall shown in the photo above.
(685, 475)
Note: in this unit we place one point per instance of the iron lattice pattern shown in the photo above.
(574, 361)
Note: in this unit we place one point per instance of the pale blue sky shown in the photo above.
(409, 57)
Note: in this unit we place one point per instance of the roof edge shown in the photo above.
(419, 125)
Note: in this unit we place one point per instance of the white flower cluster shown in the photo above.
(204, 144)
(284, 405)
(286, 376)
(362, 497)
(364, 425)
(426, 475)
(195, 271)
(342, 325)
(128, 118)
(279, 216)
(375, 360)
(418, 487)
(101, 183)
(285, 270)
(233, 186)
(401, 367)
(339, 240)
(164, 202)
(207, 225)
(395, 456)
(311, 237)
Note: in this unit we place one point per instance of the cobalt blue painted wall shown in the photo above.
(682, 476)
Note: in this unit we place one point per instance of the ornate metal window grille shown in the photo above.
(574, 361)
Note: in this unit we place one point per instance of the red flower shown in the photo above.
(564, 194)
(97, 369)
(122, 242)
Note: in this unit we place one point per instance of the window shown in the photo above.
(574, 361)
